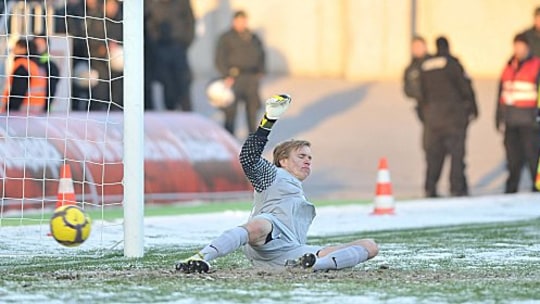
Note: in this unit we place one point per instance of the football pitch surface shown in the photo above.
(493, 259)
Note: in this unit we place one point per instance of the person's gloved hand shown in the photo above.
(277, 105)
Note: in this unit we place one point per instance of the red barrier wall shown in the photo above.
(186, 157)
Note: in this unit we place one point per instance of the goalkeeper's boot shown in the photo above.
(306, 261)
(193, 264)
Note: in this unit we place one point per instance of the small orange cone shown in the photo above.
(66, 192)
(384, 200)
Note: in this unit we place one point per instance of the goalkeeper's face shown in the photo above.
(298, 163)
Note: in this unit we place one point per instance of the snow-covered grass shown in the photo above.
(479, 250)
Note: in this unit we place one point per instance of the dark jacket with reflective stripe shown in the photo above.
(447, 93)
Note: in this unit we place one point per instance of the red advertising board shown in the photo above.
(186, 157)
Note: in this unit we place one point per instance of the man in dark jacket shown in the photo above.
(449, 107)
(533, 34)
(517, 111)
(240, 60)
(169, 31)
(411, 77)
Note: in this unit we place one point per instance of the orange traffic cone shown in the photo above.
(384, 200)
(66, 192)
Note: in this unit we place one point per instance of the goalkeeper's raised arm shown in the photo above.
(260, 172)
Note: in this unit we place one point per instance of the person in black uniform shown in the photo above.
(449, 107)
(411, 77)
(240, 59)
(169, 31)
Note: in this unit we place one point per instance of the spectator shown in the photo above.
(517, 110)
(98, 55)
(533, 34)
(26, 85)
(114, 14)
(240, 61)
(49, 66)
(449, 107)
(169, 31)
(70, 20)
(86, 24)
(411, 77)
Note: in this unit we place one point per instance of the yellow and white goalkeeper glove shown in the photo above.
(275, 107)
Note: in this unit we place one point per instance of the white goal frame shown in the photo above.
(133, 202)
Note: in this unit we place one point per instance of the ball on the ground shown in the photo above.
(70, 225)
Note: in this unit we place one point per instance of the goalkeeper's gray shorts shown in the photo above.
(281, 248)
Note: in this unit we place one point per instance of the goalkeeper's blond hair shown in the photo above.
(283, 150)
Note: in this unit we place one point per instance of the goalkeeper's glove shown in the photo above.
(275, 107)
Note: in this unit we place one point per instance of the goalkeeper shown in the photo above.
(276, 232)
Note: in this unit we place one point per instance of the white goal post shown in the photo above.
(134, 128)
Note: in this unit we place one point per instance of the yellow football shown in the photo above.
(70, 225)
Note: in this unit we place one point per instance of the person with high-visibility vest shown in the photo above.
(518, 107)
(26, 85)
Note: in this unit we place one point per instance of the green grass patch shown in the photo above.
(494, 263)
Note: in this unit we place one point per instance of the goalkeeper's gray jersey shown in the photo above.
(277, 192)
(285, 200)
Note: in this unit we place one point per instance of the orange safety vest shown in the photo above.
(36, 94)
(519, 87)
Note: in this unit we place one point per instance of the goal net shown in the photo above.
(62, 77)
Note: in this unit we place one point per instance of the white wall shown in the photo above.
(480, 31)
(363, 39)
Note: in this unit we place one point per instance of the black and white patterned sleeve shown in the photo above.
(260, 172)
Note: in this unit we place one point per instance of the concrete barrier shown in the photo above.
(186, 157)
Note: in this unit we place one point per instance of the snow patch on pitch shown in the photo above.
(194, 230)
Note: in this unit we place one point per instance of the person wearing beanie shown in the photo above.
(517, 115)
(533, 34)
(450, 105)
(443, 47)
